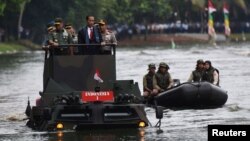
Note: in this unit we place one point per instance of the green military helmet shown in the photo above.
(50, 26)
(151, 65)
(164, 65)
(68, 26)
(58, 21)
(200, 61)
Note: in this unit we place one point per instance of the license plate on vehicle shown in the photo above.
(103, 96)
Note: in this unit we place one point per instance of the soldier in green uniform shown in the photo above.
(71, 31)
(211, 74)
(163, 78)
(198, 73)
(149, 82)
(69, 28)
(49, 30)
(60, 37)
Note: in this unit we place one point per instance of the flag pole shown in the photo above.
(211, 30)
(226, 20)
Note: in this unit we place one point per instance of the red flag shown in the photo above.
(97, 76)
(226, 19)
(211, 7)
(225, 8)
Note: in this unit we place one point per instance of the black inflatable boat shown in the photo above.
(198, 95)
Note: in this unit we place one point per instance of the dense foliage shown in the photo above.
(35, 14)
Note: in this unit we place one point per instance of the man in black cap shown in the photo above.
(211, 74)
(50, 28)
(108, 37)
(69, 28)
(198, 73)
(149, 82)
(60, 37)
(89, 34)
(163, 78)
(71, 31)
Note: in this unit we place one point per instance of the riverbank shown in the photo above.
(164, 39)
(168, 40)
(17, 46)
(179, 39)
(8, 48)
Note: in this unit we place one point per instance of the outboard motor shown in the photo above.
(28, 109)
(177, 82)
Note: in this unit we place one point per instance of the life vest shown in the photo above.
(197, 75)
(218, 84)
(149, 81)
(162, 80)
(209, 75)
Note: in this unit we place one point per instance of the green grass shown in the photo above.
(10, 47)
(240, 37)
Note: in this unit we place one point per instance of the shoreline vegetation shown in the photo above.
(10, 48)
(173, 40)
(17, 46)
(169, 40)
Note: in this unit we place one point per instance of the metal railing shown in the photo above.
(67, 46)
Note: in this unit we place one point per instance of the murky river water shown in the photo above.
(21, 77)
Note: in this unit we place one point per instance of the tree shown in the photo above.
(138, 11)
(35, 14)
(118, 11)
(22, 4)
(13, 7)
(2, 7)
(80, 9)
(150, 11)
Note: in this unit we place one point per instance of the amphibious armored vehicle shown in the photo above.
(82, 92)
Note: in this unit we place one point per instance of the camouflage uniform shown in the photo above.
(71, 32)
(163, 79)
(198, 74)
(149, 82)
(211, 74)
(61, 37)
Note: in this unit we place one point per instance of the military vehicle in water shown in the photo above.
(81, 92)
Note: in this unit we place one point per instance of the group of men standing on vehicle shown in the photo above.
(92, 39)
(160, 81)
